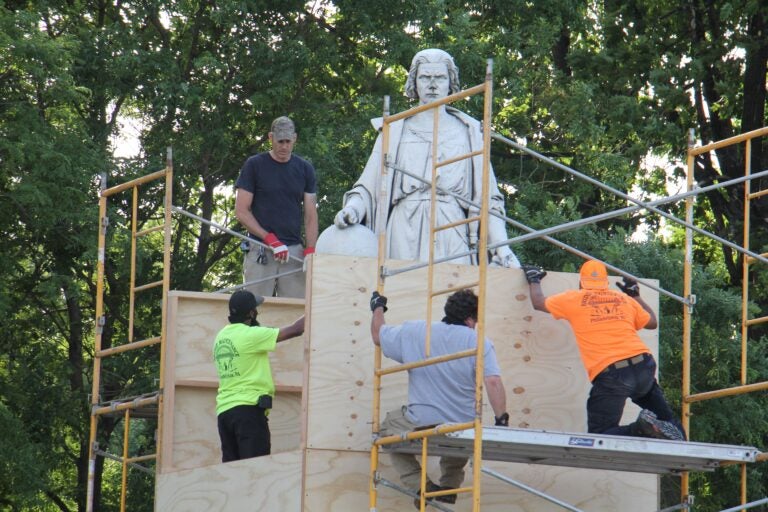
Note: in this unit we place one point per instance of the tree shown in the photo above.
(597, 86)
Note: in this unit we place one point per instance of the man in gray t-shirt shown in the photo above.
(437, 393)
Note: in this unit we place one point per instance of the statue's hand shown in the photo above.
(504, 257)
(346, 217)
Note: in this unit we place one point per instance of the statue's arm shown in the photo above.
(359, 202)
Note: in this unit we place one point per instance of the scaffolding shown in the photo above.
(486, 89)
(748, 258)
(517, 445)
(149, 404)
(489, 443)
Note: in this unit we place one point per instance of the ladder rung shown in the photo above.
(455, 289)
(457, 223)
(759, 193)
(150, 230)
(425, 362)
(148, 286)
(445, 428)
(128, 346)
(718, 393)
(458, 158)
(130, 461)
(755, 321)
(136, 403)
(429, 106)
(752, 259)
(448, 492)
(142, 458)
(133, 183)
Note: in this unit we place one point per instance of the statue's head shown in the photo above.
(432, 56)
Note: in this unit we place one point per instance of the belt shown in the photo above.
(627, 362)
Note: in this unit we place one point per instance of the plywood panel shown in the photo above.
(196, 436)
(546, 384)
(338, 480)
(189, 422)
(262, 483)
(545, 381)
(201, 315)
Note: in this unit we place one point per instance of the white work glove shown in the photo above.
(346, 217)
(504, 257)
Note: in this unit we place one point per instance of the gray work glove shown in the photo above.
(533, 274)
(630, 287)
(378, 301)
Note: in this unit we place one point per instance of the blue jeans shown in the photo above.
(610, 391)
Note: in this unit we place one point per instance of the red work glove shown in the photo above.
(279, 249)
(307, 252)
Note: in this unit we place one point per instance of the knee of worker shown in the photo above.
(598, 422)
(655, 401)
(455, 465)
(408, 468)
(396, 422)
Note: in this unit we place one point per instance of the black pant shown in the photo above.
(244, 433)
(610, 391)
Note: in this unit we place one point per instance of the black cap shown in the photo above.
(243, 302)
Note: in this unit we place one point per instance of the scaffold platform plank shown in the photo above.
(594, 451)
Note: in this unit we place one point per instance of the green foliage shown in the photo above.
(596, 86)
(22, 467)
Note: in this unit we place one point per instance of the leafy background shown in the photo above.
(609, 88)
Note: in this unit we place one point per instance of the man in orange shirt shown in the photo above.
(618, 363)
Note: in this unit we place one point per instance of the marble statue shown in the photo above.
(432, 76)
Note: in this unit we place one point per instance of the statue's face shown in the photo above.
(432, 82)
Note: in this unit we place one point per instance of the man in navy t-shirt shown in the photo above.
(275, 190)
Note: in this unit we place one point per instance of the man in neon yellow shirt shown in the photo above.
(244, 399)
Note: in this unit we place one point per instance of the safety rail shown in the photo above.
(126, 405)
(749, 258)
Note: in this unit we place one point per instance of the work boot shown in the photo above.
(649, 425)
(448, 498)
(430, 487)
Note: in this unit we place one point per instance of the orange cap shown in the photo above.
(593, 275)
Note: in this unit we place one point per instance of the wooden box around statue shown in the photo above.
(321, 421)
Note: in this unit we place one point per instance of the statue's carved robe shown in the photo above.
(408, 200)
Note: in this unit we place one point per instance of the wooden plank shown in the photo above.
(201, 315)
(546, 383)
(196, 436)
(165, 445)
(338, 480)
(261, 483)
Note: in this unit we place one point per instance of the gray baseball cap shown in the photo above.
(283, 129)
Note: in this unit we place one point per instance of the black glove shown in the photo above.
(533, 274)
(629, 287)
(378, 301)
(502, 421)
